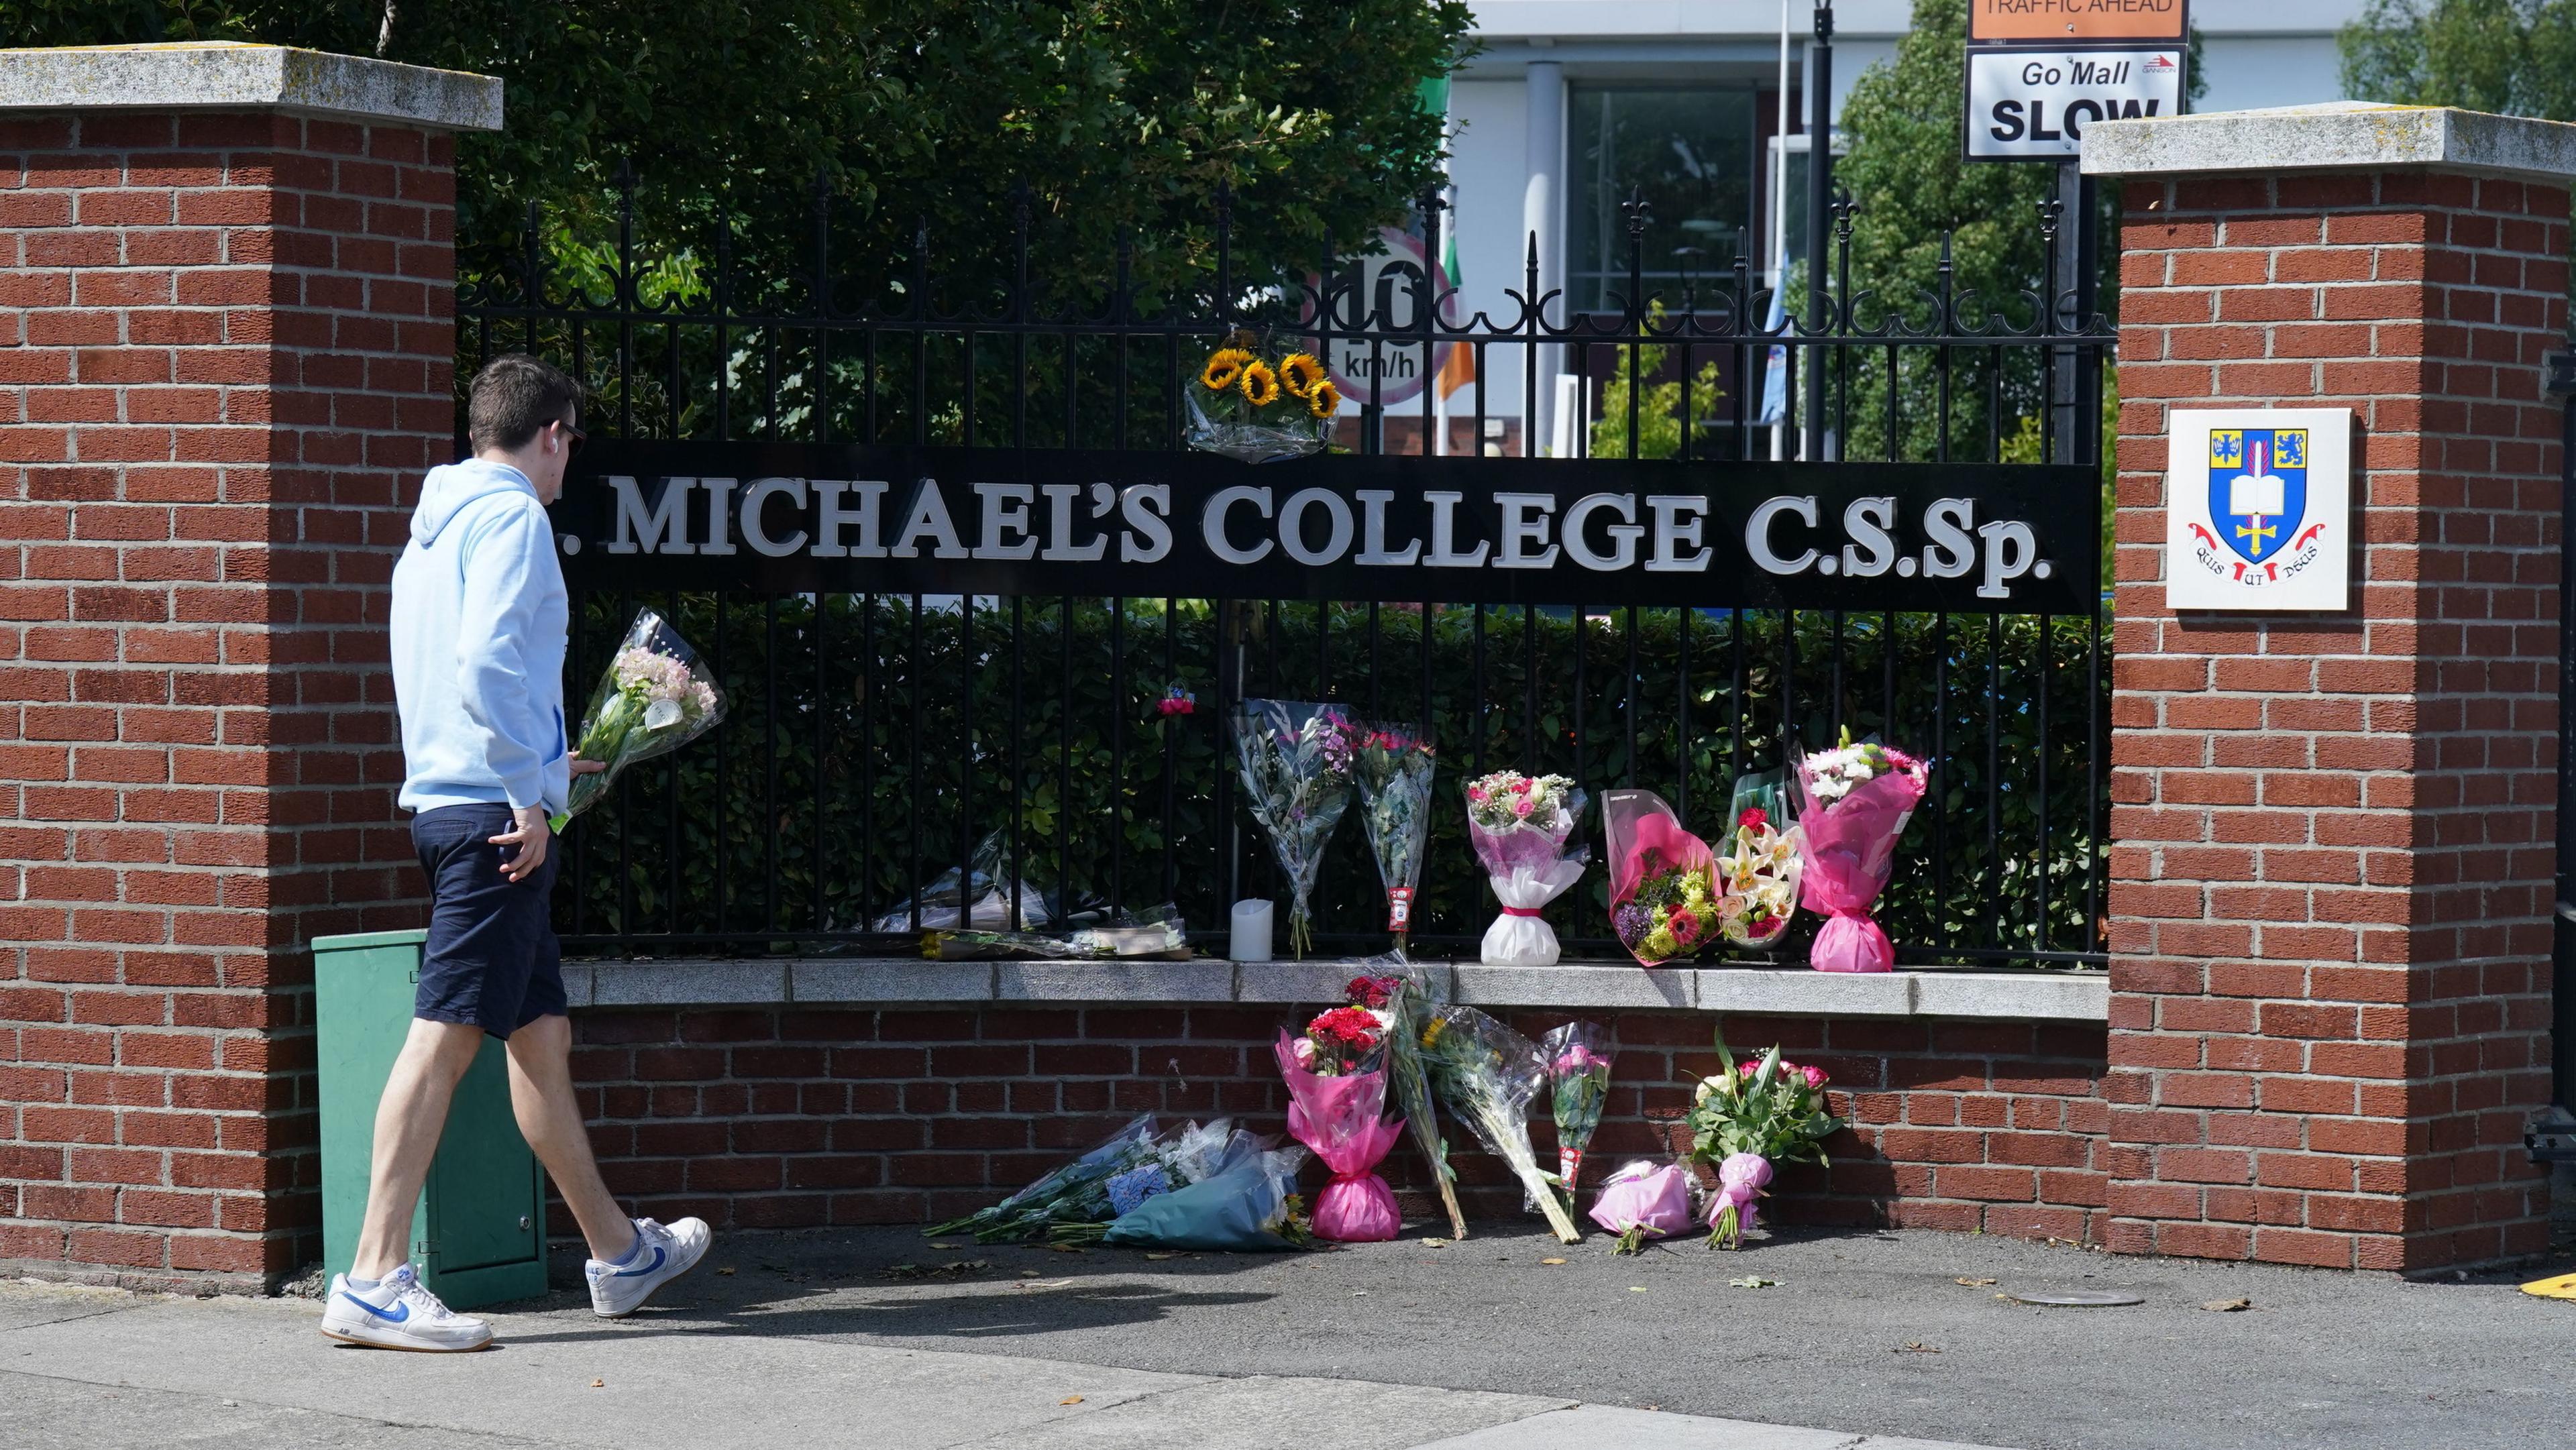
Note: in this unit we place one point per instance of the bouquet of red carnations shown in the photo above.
(1855, 802)
(1337, 1106)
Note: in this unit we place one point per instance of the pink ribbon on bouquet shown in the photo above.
(1850, 850)
(1739, 1182)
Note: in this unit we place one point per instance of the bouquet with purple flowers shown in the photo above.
(1296, 760)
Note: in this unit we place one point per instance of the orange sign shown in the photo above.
(2067, 22)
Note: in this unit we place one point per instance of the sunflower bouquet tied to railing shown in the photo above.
(654, 698)
(1258, 407)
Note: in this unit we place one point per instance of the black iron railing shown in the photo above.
(880, 739)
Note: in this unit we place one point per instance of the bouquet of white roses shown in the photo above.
(655, 698)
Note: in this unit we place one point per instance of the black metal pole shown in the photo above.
(1819, 82)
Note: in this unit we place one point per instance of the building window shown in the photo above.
(1691, 155)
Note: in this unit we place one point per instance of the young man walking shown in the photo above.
(479, 620)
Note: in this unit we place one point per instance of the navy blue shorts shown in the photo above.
(492, 959)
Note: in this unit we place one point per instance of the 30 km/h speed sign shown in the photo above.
(2028, 104)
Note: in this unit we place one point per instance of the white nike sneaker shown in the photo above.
(661, 1255)
(399, 1313)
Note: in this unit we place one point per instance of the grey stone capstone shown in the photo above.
(2334, 136)
(227, 75)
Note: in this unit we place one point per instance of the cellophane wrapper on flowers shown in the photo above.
(1296, 760)
(1853, 803)
(1578, 1073)
(1734, 1207)
(1408, 998)
(1257, 403)
(1758, 876)
(1155, 931)
(1642, 1201)
(1250, 1204)
(1488, 1074)
(654, 697)
(1393, 767)
(1134, 1164)
(1663, 880)
(1342, 1119)
(1519, 825)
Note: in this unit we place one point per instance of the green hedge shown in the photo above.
(897, 736)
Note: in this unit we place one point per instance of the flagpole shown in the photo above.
(1780, 211)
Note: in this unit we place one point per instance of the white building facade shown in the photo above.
(1574, 104)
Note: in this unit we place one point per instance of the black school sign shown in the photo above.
(796, 518)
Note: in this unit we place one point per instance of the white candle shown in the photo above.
(1250, 941)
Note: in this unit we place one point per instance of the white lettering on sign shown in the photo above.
(2028, 105)
(1320, 527)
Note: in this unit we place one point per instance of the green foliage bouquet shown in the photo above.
(1765, 1106)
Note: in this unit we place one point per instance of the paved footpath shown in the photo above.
(1506, 1341)
(99, 1368)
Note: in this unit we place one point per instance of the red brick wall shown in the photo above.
(794, 1117)
(2331, 895)
(225, 348)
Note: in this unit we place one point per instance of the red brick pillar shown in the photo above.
(225, 357)
(2332, 871)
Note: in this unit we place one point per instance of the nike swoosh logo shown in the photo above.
(395, 1315)
(646, 1269)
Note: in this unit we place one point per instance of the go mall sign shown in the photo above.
(790, 518)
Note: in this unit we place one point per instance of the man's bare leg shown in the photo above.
(549, 1117)
(409, 1118)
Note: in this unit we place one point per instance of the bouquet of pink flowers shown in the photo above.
(1578, 1073)
(1642, 1201)
(1341, 1117)
(654, 698)
(1519, 824)
(1664, 898)
(1747, 1117)
(1855, 802)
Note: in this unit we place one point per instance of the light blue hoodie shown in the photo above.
(479, 615)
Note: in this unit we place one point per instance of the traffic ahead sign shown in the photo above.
(2077, 22)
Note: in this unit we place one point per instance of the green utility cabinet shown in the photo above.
(479, 1235)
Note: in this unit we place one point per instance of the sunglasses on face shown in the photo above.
(573, 438)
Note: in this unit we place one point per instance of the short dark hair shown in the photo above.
(514, 397)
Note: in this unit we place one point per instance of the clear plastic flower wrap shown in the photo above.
(654, 697)
(1578, 1073)
(1519, 825)
(1393, 766)
(1489, 1074)
(1256, 404)
(1246, 1200)
(1134, 1164)
(1296, 760)
(1409, 998)
(1156, 931)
